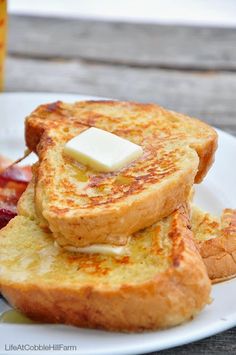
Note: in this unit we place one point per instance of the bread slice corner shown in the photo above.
(216, 240)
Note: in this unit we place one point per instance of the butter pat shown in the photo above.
(104, 249)
(102, 150)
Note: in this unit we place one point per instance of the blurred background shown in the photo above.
(200, 12)
(180, 54)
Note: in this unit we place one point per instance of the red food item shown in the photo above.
(9, 196)
(6, 216)
(13, 182)
(16, 173)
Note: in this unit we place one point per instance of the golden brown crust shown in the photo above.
(206, 155)
(165, 302)
(219, 250)
(169, 298)
(204, 140)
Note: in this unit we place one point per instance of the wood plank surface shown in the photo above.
(187, 69)
(209, 96)
(131, 44)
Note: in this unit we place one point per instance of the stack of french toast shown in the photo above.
(121, 249)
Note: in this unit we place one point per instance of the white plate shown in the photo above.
(216, 192)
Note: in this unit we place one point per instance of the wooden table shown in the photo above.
(187, 69)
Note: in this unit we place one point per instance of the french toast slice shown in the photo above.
(161, 282)
(84, 207)
(216, 240)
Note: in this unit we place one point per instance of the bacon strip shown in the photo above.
(13, 182)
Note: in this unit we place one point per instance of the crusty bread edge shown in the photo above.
(206, 155)
(219, 254)
(206, 151)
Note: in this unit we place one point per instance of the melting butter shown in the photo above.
(15, 317)
(104, 249)
(101, 150)
(123, 180)
(81, 175)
